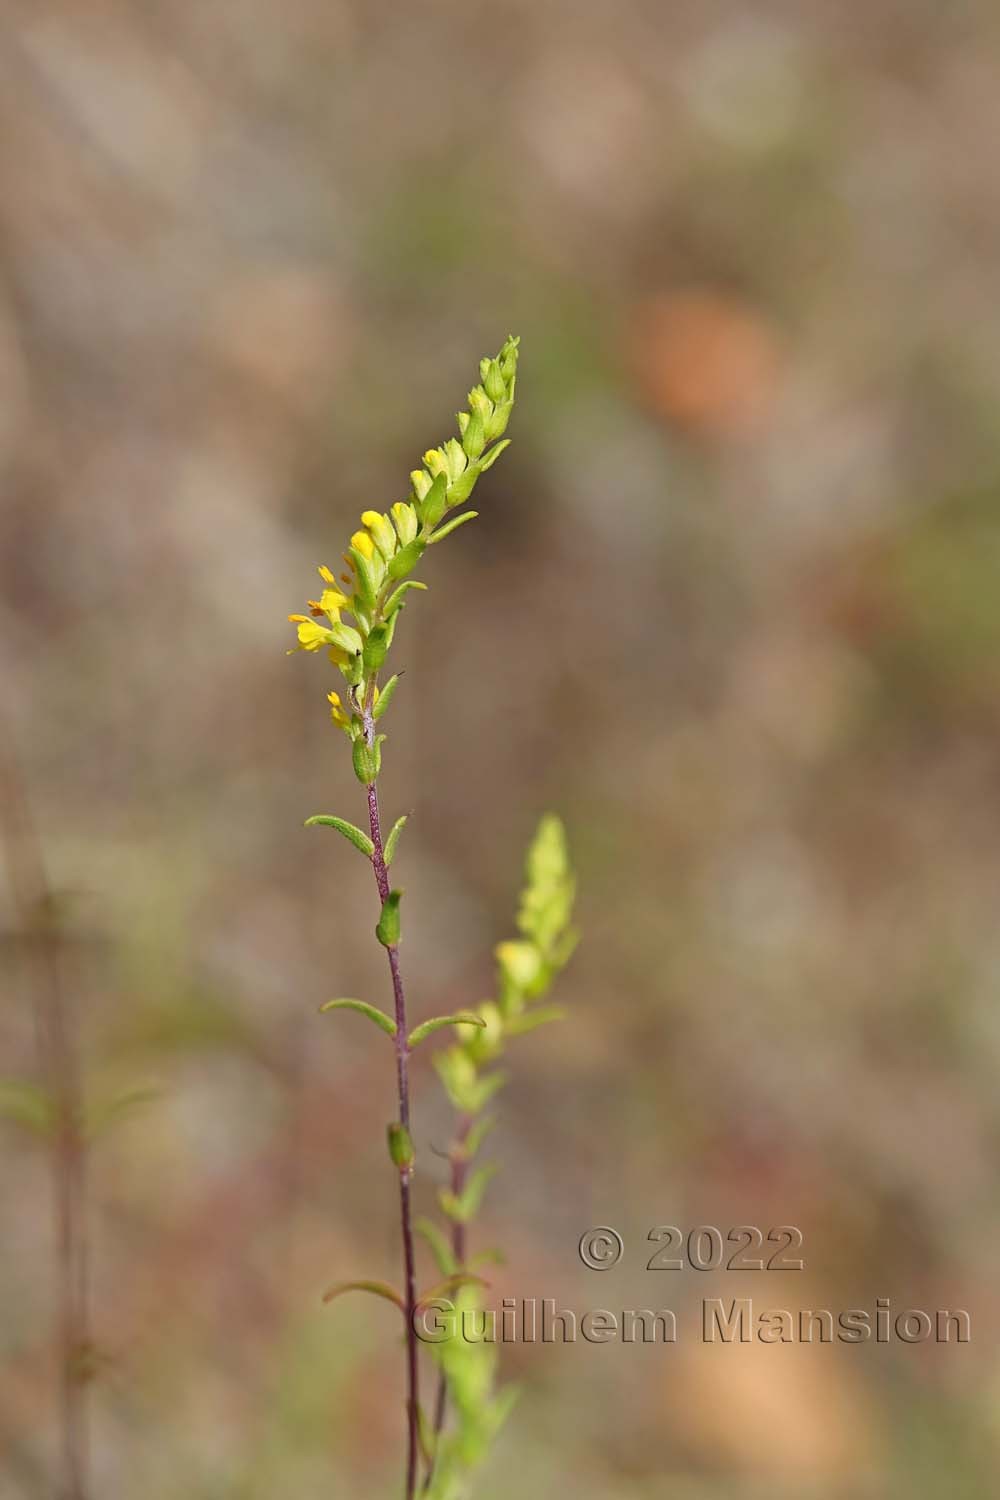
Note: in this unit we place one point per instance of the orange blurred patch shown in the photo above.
(705, 361)
(788, 1412)
(283, 328)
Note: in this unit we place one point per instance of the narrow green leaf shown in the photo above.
(376, 647)
(367, 585)
(394, 603)
(502, 1406)
(484, 1090)
(387, 930)
(462, 1017)
(102, 1114)
(450, 1284)
(489, 458)
(357, 838)
(27, 1104)
(407, 557)
(465, 1206)
(489, 1256)
(461, 488)
(385, 697)
(346, 637)
(393, 839)
(449, 526)
(529, 1019)
(439, 1247)
(431, 508)
(373, 1013)
(376, 1288)
(477, 1135)
(426, 1435)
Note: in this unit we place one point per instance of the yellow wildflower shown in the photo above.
(312, 637)
(337, 714)
(330, 604)
(381, 529)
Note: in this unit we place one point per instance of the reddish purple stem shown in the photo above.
(405, 1174)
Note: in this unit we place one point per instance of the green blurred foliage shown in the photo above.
(729, 606)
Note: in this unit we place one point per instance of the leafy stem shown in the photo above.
(405, 1171)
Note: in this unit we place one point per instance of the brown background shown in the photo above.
(731, 608)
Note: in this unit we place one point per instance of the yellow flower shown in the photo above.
(337, 714)
(325, 574)
(362, 542)
(381, 529)
(312, 637)
(330, 604)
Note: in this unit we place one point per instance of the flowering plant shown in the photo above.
(372, 591)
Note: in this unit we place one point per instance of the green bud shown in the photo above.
(493, 380)
(497, 424)
(400, 1145)
(463, 419)
(456, 459)
(405, 517)
(387, 930)
(367, 759)
(421, 482)
(382, 530)
(508, 359)
(521, 963)
(368, 578)
(474, 438)
(431, 508)
(436, 461)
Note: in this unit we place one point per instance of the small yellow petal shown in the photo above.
(332, 602)
(362, 542)
(312, 636)
(325, 574)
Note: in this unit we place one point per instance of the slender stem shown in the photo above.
(60, 1065)
(405, 1173)
(459, 1249)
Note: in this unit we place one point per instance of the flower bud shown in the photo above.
(400, 1145)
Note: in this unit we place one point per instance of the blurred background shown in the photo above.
(731, 608)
